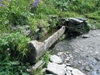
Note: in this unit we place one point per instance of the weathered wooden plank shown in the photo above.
(53, 38)
(38, 65)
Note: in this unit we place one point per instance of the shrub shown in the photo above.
(79, 6)
(13, 70)
(16, 13)
(95, 15)
(13, 47)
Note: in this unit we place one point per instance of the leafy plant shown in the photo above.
(13, 70)
(12, 50)
(13, 46)
(45, 57)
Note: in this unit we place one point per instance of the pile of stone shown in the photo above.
(25, 29)
(57, 66)
(78, 25)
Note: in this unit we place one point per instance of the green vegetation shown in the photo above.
(95, 15)
(12, 50)
(45, 58)
(13, 45)
(13, 70)
(17, 12)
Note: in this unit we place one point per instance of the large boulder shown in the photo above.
(78, 25)
(74, 26)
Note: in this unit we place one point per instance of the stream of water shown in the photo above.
(85, 52)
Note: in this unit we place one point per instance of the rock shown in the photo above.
(49, 74)
(13, 28)
(26, 32)
(43, 70)
(75, 20)
(77, 72)
(97, 58)
(64, 56)
(68, 73)
(68, 64)
(91, 66)
(98, 34)
(56, 69)
(98, 71)
(85, 36)
(87, 68)
(74, 71)
(83, 19)
(55, 59)
(73, 25)
(62, 53)
(67, 60)
(24, 29)
(28, 70)
(37, 30)
(77, 26)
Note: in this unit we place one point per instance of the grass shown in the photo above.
(45, 58)
(94, 19)
(18, 13)
(98, 25)
(95, 15)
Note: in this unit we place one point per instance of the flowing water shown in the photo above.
(85, 52)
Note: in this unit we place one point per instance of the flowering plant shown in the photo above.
(4, 3)
(34, 4)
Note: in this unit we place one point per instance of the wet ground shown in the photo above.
(85, 51)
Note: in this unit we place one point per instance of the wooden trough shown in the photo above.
(39, 48)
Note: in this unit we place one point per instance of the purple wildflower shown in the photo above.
(9, 0)
(5, 5)
(35, 2)
(33, 6)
